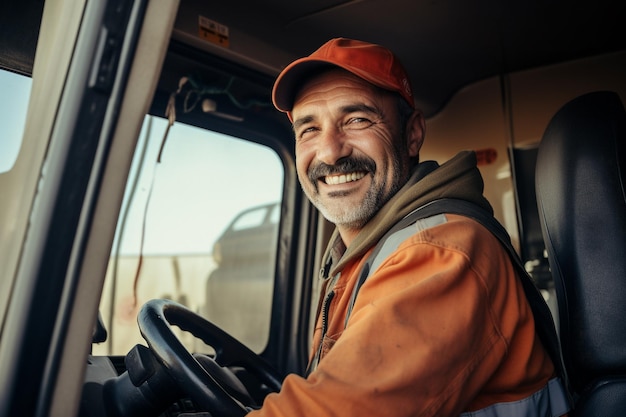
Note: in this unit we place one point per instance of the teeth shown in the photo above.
(343, 178)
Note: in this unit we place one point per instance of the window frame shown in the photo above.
(298, 246)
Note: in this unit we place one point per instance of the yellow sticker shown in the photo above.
(214, 32)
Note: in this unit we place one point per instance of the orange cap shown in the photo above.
(371, 62)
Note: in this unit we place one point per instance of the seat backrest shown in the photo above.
(580, 183)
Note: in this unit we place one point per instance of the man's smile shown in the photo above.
(343, 178)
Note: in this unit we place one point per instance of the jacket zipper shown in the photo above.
(325, 310)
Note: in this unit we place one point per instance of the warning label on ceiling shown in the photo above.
(213, 31)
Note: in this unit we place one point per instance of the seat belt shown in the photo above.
(544, 323)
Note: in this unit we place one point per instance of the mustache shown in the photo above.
(343, 166)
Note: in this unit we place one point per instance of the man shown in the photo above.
(442, 326)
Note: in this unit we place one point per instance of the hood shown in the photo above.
(458, 178)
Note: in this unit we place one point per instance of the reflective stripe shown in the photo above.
(390, 244)
(550, 401)
(394, 240)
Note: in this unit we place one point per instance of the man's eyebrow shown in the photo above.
(299, 122)
(360, 107)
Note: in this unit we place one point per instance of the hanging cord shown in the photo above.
(170, 113)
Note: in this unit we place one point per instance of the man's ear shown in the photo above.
(415, 132)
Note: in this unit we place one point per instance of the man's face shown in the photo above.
(351, 153)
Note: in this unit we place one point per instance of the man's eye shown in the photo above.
(306, 132)
(359, 122)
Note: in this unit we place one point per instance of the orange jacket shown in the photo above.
(440, 328)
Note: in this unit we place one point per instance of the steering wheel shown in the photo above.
(209, 388)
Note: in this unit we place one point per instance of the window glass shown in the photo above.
(13, 108)
(15, 92)
(196, 227)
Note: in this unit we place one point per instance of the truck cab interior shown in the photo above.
(157, 254)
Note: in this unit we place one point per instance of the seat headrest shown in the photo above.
(580, 195)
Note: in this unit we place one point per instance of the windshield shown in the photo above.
(199, 226)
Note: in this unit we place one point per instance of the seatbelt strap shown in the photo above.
(544, 323)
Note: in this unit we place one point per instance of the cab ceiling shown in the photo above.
(445, 44)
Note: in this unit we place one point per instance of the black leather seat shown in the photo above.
(580, 185)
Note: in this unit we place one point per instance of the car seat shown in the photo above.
(580, 195)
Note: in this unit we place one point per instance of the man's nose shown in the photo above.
(333, 146)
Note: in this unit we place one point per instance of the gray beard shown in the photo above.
(355, 218)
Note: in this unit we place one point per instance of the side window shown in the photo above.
(16, 90)
(13, 107)
(199, 226)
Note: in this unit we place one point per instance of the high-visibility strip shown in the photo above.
(389, 244)
(393, 241)
(550, 401)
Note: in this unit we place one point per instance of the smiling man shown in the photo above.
(441, 326)
(352, 156)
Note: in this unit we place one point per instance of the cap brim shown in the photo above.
(291, 79)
